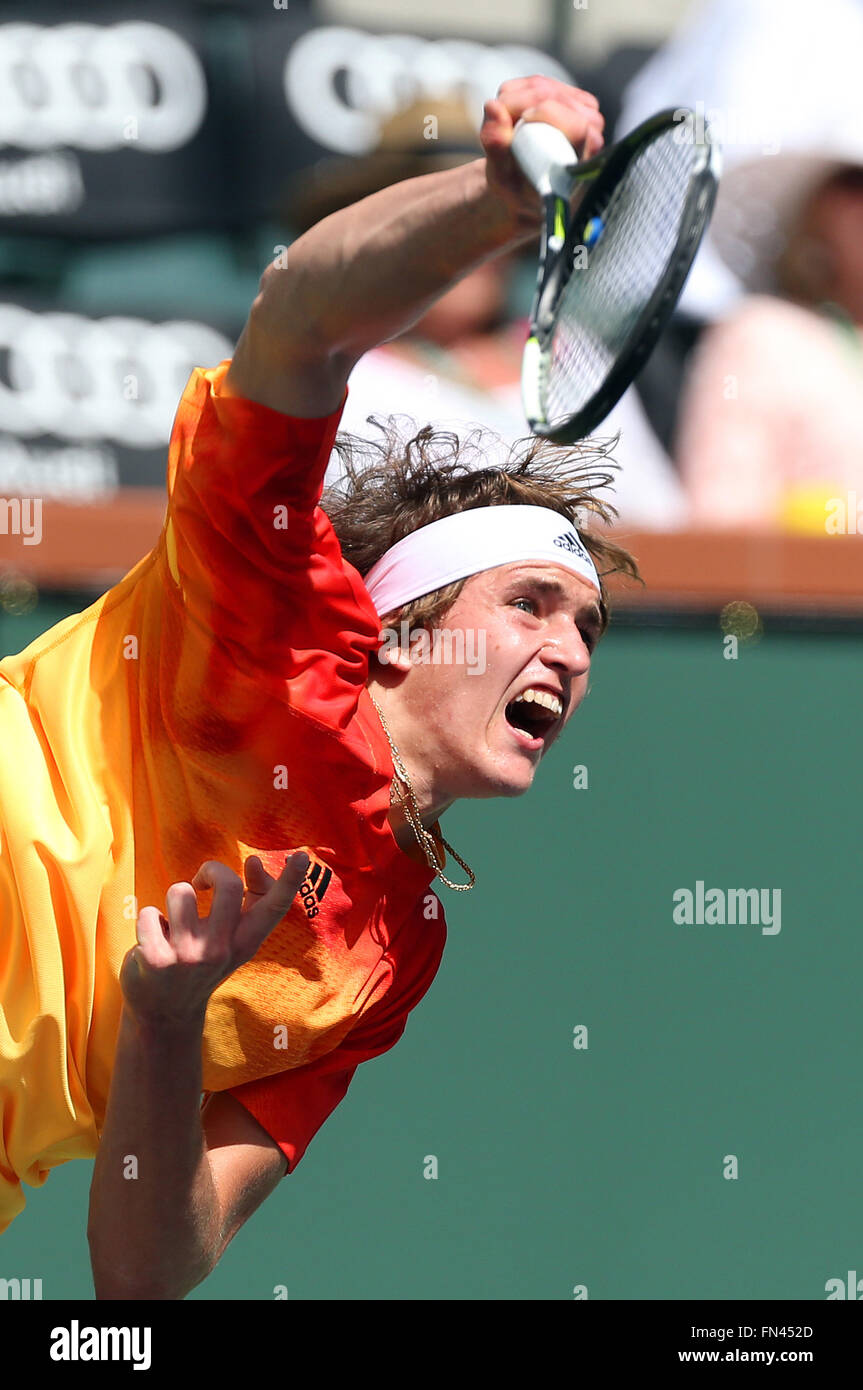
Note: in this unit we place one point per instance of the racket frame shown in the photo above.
(602, 174)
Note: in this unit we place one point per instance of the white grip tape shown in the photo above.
(531, 394)
(544, 156)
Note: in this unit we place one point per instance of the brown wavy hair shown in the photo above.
(392, 485)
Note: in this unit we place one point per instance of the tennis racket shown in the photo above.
(610, 272)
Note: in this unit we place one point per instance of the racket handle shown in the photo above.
(544, 156)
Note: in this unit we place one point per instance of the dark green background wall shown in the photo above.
(604, 1166)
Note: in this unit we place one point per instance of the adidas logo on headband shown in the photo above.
(569, 541)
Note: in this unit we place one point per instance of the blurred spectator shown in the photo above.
(761, 74)
(771, 425)
(751, 69)
(460, 365)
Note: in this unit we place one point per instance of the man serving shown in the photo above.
(224, 706)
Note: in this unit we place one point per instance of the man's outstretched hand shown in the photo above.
(572, 110)
(182, 958)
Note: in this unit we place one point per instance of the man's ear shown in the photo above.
(394, 649)
(396, 657)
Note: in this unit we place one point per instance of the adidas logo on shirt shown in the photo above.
(314, 886)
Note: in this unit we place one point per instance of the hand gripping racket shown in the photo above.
(611, 272)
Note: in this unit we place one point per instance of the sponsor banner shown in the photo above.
(107, 125)
(324, 90)
(123, 122)
(87, 404)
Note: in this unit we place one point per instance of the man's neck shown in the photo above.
(431, 808)
(403, 830)
(401, 826)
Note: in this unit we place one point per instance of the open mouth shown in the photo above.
(531, 721)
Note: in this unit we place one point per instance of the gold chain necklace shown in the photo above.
(412, 815)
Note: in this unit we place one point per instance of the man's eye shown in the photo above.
(529, 601)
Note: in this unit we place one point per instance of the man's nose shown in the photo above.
(567, 649)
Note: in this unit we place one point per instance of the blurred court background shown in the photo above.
(149, 168)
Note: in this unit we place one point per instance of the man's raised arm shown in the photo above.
(368, 272)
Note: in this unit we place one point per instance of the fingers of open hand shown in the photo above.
(227, 901)
(257, 923)
(181, 907)
(258, 881)
(153, 945)
(215, 944)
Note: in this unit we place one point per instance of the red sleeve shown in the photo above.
(253, 558)
(292, 1107)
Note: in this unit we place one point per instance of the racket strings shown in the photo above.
(613, 281)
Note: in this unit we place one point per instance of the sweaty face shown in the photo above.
(528, 630)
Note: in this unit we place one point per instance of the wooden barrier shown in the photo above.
(91, 547)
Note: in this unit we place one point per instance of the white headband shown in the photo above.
(467, 542)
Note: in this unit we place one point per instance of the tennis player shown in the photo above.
(224, 706)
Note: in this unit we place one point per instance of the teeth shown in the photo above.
(541, 697)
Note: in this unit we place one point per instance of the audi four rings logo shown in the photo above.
(381, 73)
(111, 378)
(99, 87)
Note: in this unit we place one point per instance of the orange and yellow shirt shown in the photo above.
(211, 705)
